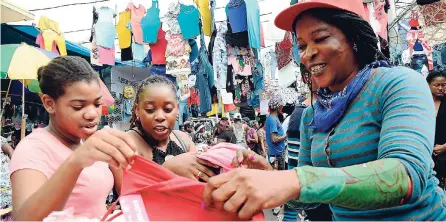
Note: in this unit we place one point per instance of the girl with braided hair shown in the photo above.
(367, 140)
(154, 114)
(66, 165)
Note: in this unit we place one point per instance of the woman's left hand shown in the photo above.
(189, 166)
(247, 191)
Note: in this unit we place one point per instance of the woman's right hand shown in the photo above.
(251, 160)
(189, 166)
(107, 145)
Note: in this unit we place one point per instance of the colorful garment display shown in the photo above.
(240, 64)
(417, 35)
(106, 56)
(206, 17)
(94, 54)
(50, 37)
(105, 32)
(41, 43)
(253, 19)
(177, 55)
(150, 24)
(124, 34)
(138, 52)
(137, 13)
(284, 51)
(243, 88)
(188, 20)
(183, 86)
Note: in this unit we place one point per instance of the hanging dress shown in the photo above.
(136, 15)
(188, 20)
(105, 32)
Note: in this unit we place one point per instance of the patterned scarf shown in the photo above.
(330, 107)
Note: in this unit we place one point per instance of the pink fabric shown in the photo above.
(41, 44)
(43, 152)
(107, 98)
(262, 36)
(382, 17)
(106, 56)
(136, 15)
(238, 69)
(221, 155)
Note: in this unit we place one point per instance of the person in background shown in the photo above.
(275, 136)
(437, 84)
(5, 184)
(261, 134)
(182, 129)
(251, 137)
(200, 136)
(69, 164)
(189, 128)
(154, 114)
(240, 130)
(223, 134)
(366, 143)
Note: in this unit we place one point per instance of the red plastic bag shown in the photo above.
(156, 194)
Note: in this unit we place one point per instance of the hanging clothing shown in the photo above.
(49, 37)
(127, 109)
(272, 33)
(171, 23)
(127, 54)
(138, 52)
(124, 34)
(94, 54)
(177, 55)
(159, 48)
(220, 56)
(204, 62)
(240, 39)
(183, 86)
(41, 43)
(240, 65)
(104, 29)
(382, 17)
(204, 91)
(137, 13)
(188, 20)
(240, 134)
(206, 18)
(284, 51)
(48, 24)
(194, 50)
(243, 88)
(253, 19)
(151, 23)
(236, 13)
(262, 36)
(95, 20)
(106, 56)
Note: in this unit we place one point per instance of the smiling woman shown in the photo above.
(63, 164)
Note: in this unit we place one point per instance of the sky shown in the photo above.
(79, 17)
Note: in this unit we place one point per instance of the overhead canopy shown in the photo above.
(13, 13)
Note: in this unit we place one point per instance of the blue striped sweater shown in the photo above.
(392, 117)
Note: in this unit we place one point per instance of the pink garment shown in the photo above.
(382, 17)
(43, 152)
(221, 155)
(136, 14)
(238, 69)
(107, 98)
(41, 43)
(106, 56)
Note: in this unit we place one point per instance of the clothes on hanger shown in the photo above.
(127, 54)
(188, 20)
(240, 39)
(284, 51)
(220, 56)
(171, 23)
(41, 43)
(151, 23)
(106, 55)
(236, 14)
(177, 55)
(253, 19)
(124, 34)
(95, 20)
(137, 13)
(159, 48)
(105, 32)
(206, 17)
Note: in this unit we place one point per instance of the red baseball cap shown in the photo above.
(286, 18)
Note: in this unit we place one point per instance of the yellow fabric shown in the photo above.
(214, 110)
(124, 34)
(203, 7)
(46, 24)
(49, 36)
(32, 57)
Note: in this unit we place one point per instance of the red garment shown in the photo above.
(167, 196)
(284, 51)
(159, 49)
(194, 98)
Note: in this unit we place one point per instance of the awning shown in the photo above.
(13, 13)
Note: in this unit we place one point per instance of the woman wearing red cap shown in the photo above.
(366, 142)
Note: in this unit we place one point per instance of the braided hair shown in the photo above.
(358, 32)
(145, 84)
(63, 71)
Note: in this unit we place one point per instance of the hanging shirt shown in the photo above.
(136, 15)
(150, 24)
(138, 52)
(284, 51)
(206, 18)
(188, 19)
(273, 33)
(253, 18)
(159, 48)
(104, 29)
(41, 43)
(220, 56)
(177, 55)
(48, 24)
(171, 23)
(94, 54)
(124, 34)
(240, 65)
(106, 56)
(49, 37)
(236, 13)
